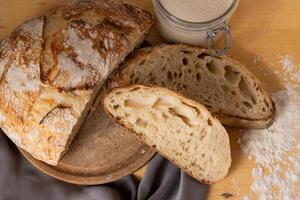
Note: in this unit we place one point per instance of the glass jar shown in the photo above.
(202, 34)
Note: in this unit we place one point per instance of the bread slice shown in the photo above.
(179, 128)
(224, 86)
(53, 66)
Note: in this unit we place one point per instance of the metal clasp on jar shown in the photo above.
(228, 40)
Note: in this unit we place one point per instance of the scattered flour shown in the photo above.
(287, 63)
(291, 70)
(276, 174)
(246, 197)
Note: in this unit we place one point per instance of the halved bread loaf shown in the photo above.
(179, 128)
(223, 85)
(53, 66)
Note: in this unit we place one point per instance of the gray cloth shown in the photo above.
(19, 180)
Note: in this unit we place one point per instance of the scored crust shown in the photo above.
(52, 67)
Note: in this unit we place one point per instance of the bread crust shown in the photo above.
(52, 67)
(120, 78)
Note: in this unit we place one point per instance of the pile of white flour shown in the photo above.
(276, 151)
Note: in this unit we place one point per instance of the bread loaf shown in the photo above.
(180, 129)
(53, 66)
(224, 86)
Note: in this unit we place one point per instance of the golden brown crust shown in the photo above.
(105, 28)
(51, 66)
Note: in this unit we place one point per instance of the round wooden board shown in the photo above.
(101, 152)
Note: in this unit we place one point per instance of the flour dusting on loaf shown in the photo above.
(53, 66)
(86, 54)
(22, 79)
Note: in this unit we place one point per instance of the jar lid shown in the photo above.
(188, 24)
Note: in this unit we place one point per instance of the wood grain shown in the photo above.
(262, 29)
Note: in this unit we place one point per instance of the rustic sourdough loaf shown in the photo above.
(223, 85)
(179, 128)
(52, 67)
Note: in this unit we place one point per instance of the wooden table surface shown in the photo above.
(265, 29)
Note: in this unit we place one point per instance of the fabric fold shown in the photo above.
(19, 180)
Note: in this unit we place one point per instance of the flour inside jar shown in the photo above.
(197, 10)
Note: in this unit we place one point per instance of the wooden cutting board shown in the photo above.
(101, 152)
(263, 29)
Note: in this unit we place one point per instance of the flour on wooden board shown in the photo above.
(275, 149)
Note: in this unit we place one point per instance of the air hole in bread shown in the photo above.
(202, 55)
(230, 75)
(134, 89)
(203, 155)
(139, 103)
(247, 104)
(185, 119)
(184, 61)
(198, 77)
(118, 118)
(208, 106)
(136, 80)
(175, 74)
(160, 104)
(170, 77)
(189, 71)
(186, 52)
(214, 68)
(115, 107)
(142, 62)
(118, 93)
(51, 139)
(209, 122)
(245, 91)
(184, 86)
(233, 93)
(264, 109)
(141, 123)
(180, 75)
(266, 102)
(253, 100)
(131, 76)
(163, 69)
